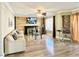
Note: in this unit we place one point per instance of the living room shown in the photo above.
(39, 26)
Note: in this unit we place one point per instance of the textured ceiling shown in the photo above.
(30, 8)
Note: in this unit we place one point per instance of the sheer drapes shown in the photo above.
(75, 27)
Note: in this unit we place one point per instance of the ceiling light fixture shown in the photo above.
(40, 13)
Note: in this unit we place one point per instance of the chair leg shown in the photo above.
(35, 36)
(41, 36)
(32, 33)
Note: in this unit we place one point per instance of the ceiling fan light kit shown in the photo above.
(40, 13)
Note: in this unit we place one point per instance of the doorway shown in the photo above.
(54, 27)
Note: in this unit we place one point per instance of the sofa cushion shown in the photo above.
(9, 38)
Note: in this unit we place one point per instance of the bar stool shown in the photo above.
(59, 33)
(37, 32)
(66, 34)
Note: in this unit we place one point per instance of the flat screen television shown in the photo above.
(31, 20)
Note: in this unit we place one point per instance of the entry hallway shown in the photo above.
(48, 47)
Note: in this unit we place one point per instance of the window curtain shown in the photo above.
(75, 27)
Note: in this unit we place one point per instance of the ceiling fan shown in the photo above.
(41, 13)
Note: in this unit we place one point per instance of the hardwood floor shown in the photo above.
(37, 48)
(66, 49)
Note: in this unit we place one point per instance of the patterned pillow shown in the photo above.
(14, 36)
(17, 32)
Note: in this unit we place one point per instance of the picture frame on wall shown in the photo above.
(31, 20)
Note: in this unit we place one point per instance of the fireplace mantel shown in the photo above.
(31, 25)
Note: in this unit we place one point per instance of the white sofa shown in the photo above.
(14, 46)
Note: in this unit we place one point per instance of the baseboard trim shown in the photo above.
(50, 32)
(14, 53)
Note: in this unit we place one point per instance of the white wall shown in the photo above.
(5, 29)
(58, 23)
(6, 16)
(49, 24)
(1, 49)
